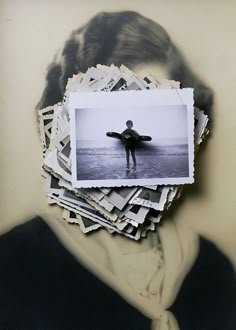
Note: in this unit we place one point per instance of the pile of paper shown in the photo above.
(130, 211)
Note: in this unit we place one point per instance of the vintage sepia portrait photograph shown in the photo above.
(117, 213)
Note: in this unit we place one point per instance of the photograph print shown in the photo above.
(131, 143)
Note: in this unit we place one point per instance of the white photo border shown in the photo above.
(145, 98)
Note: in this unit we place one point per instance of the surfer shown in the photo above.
(130, 138)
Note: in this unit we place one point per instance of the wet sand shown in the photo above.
(106, 164)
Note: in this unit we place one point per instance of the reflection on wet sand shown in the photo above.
(131, 173)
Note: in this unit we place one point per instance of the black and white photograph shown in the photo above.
(139, 142)
(154, 199)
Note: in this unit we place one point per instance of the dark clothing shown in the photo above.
(43, 287)
(130, 138)
(207, 298)
(129, 148)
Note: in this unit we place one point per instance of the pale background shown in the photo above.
(30, 34)
(170, 124)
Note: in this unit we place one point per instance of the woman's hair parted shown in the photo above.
(121, 38)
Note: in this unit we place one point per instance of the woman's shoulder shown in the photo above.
(42, 283)
(207, 298)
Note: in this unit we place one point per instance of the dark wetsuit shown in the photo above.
(130, 138)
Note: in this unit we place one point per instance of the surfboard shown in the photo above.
(136, 139)
(114, 135)
(145, 138)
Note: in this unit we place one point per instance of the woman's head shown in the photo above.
(121, 38)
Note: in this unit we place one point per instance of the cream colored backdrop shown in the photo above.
(31, 32)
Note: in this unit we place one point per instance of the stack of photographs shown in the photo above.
(130, 210)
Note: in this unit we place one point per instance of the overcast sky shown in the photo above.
(161, 123)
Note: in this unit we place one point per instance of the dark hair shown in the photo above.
(129, 122)
(121, 38)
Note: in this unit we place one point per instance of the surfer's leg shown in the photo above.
(127, 156)
(133, 156)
